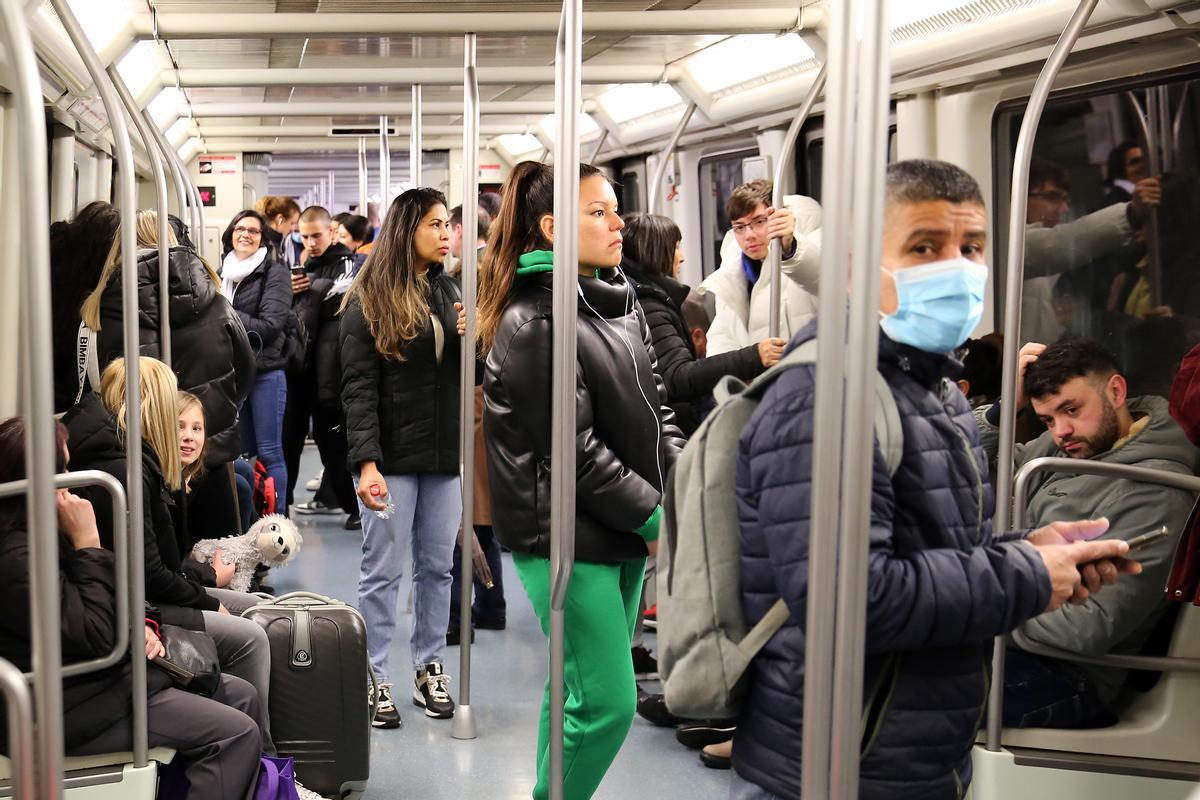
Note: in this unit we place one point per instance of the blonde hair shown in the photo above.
(159, 410)
(146, 236)
(184, 401)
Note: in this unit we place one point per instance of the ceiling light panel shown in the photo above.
(587, 126)
(743, 58)
(633, 100)
(519, 144)
(142, 66)
(922, 19)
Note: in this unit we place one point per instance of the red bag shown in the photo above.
(264, 490)
(1183, 584)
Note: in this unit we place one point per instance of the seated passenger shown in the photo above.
(940, 586)
(650, 259)
(1077, 391)
(218, 737)
(742, 292)
(982, 363)
(97, 437)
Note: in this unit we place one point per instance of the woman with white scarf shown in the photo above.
(260, 290)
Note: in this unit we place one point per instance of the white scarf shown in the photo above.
(235, 270)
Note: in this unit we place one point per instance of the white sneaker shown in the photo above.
(315, 483)
(307, 794)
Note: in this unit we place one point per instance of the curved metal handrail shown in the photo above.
(787, 157)
(19, 708)
(664, 158)
(1018, 204)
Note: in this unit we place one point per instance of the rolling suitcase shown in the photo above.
(320, 713)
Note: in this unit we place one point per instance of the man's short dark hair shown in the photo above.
(483, 220)
(695, 315)
(745, 198)
(1042, 171)
(920, 180)
(1068, 358)
(316, 214)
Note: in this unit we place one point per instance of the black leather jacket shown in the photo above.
(626, 438)
(403, 415)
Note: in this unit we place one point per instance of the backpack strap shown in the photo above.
(86, 360)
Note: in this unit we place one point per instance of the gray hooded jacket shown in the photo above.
(1118, 618)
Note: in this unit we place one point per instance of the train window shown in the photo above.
(809, 160)
(720, 174)
(1101, 259)
(631, 192)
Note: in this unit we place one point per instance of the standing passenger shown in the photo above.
(259, 288)
(400, 390)
(282, 233)
(626, 442)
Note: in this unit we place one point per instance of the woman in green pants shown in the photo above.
(626, 441)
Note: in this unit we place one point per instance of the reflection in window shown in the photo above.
(1111, 250)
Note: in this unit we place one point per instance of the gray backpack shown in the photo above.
(704, 647)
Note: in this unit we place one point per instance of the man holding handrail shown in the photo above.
(940, 586)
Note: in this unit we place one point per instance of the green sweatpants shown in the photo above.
(601, 695)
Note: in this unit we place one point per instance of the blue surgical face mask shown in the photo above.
(939, 304)
(295, 237)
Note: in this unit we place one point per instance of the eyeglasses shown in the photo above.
(240, 231)
(1053, 196)
(756, 224)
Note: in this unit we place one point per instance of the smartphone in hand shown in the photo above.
(1147, 538)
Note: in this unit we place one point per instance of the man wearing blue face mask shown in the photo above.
(940, 586)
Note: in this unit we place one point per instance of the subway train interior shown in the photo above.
(1089, 111)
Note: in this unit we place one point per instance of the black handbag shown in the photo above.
(191, 659)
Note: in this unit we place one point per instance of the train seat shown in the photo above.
(105, 776)
(1160, 724)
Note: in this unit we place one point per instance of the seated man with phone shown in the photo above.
(1076, 389)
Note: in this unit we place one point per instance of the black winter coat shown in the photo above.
(95, 444)
(263, 301)
(626, 438)
(331, 275)
(87, 596)
(210, 351)
(403, 415)
(939, 586)
(689, 380)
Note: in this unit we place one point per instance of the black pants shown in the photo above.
(489, 603)
(337, 487)
(297, 418)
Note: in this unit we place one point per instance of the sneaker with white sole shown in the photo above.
(432, 692)
(315, 483)
(304, 793)
(315, 507)
(386, 715)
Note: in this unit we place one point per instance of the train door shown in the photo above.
(720, 174)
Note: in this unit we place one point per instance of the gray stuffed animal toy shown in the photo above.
(274, 540)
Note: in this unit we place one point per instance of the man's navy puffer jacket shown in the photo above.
(939, 588)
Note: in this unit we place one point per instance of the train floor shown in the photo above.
(509, 671)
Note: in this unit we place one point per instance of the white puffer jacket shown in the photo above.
(742, 319)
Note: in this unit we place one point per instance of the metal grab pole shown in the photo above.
(160, 190)
(868, 164)
(1018, 202)
(660, 169)
(37, 397)
(787, 157)
(414, 141)
(181, 195)
(19, 707)
(385, 169)
(1150, 139)
(603, 140)
(828, 404)
(567, 96)
(363, 194)
(127, 204)
(464, 720)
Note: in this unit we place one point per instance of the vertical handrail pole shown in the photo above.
(1018, 202)
(868, 165)
(828, 404)
(787, 157)
(159, 170)
(464, 719)
(664, 158)
(363, 193)
(1152, 131)
(127, 205)
(197, 205)
(385, 169)
(332, 190)
(567, 97)
(37, 397)
(19, 707)
(414, 140)
(181, 194)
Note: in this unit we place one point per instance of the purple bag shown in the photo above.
(276, 779)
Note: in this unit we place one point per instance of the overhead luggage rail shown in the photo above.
(37, 400)
(127, 205)
(1018, 202)
(567, 97)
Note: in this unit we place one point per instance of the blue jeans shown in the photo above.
(262, 429)
(426, 519)
(742, 789)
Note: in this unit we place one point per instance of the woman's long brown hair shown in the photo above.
(528, 195)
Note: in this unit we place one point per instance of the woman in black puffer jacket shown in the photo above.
(400, 388)
(210, 352)
(650, 260)
(260, 289)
